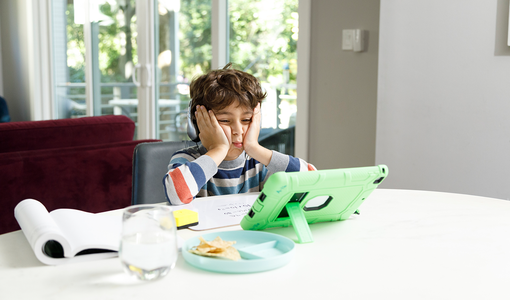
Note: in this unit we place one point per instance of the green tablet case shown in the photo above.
(302, 198)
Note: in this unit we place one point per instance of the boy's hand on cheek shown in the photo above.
(212, 136)
(251, 138)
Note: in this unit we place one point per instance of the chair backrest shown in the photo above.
(150, 164)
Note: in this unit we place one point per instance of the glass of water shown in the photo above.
(148, 247)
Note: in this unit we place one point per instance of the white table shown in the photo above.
(404, 245)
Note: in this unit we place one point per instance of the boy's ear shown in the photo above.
(192, 129)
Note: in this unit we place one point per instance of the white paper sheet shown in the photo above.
(220, 211)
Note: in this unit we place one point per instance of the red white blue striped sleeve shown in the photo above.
(186, 176)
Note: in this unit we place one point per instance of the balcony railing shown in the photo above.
(121, 98)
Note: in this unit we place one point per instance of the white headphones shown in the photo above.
(192, 129)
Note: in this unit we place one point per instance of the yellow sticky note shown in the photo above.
(185, 218)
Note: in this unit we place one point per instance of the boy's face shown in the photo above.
(234, 120)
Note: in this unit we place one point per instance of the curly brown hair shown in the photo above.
(218, 89)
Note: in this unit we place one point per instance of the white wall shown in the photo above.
(343, 85)
(443, 120)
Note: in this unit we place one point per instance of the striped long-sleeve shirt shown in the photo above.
(192, 174)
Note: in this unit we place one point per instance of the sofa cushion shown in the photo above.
(51, 134)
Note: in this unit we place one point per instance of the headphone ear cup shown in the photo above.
(192, 129)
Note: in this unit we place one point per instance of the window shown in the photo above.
(143, 54)
(263, 39)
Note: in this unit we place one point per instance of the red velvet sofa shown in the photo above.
(83, 163)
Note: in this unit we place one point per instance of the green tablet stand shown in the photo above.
(298, 220)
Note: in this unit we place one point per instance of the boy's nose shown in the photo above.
(237, 129)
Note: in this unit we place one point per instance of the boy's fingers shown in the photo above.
(199, 118)
(256, 113)
(202, 117)
(213, 119)
(200, 110)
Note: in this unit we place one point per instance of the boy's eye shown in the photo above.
(223, 121)
(247, 120)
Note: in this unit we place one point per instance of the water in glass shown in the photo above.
(148, 247)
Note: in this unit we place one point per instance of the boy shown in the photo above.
(225, 113)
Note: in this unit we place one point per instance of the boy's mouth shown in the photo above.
(238, 145)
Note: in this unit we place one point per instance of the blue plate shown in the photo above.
(260, 251)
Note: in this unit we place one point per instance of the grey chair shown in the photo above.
(150, 164)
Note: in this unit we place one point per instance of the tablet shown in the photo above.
(302, 198)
